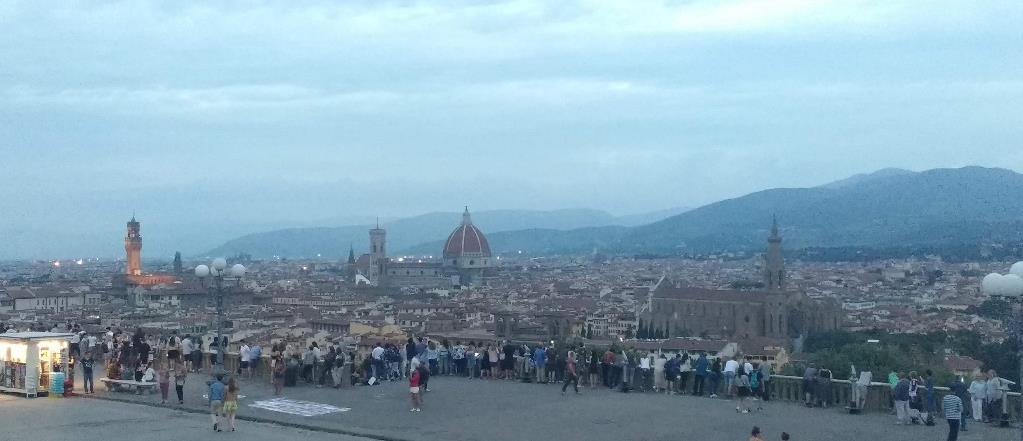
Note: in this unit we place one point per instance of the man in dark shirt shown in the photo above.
(901, 393)
(87, 364)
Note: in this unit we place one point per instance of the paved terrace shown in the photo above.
(461, 409)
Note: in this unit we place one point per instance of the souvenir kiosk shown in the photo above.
(30, 361)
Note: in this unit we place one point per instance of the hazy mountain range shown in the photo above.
(406, 234)
(891, 206)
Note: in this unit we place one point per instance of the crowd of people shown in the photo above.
(915, 401)
(169, 359)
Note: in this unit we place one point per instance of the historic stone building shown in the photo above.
(467, 252)
(133, 275)
(674, 309)
(466, 255)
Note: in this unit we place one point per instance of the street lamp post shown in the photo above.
(218, 272)
(1010, 288)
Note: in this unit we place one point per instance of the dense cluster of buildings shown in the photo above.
(722, 304)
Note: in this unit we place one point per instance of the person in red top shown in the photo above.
(570, 373)
(413, 383)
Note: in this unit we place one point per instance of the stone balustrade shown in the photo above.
(783, 388)
(879, 395)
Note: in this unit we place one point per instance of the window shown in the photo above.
(472, 262)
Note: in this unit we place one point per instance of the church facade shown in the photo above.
(676, 310)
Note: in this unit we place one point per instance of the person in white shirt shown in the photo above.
(684, 370)
(378, 361)
(645, 366)
(730, 367)
(977, 396)
(243, 359)
(186, 352)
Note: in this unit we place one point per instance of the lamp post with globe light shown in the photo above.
(1009, 287)
(218, 272)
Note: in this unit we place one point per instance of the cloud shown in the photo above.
(627, 105)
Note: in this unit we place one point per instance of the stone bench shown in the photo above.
(129, 385)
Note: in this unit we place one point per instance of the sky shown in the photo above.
(209, 120)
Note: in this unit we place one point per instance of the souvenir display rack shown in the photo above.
(28, 359)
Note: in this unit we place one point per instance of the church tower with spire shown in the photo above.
(774, 262)
(133, 248)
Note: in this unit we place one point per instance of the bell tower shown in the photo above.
(377, 252)
(133, 248)
(774, 263)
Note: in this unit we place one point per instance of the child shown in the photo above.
(164, 380)
(413, 383)
(231, 402)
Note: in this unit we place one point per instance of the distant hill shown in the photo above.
(867, 177)
(403, 234)
(941, 206)
(891, 207)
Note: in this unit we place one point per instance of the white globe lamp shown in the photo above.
(990, 283)
(1012, 285)
(237, 270)
(202, 271)
(1017, 269)
(219, 263)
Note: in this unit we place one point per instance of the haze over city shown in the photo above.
(211, 121)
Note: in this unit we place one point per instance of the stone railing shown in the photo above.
(879, 395)
(783, 388)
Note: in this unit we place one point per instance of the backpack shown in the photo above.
(754, 379)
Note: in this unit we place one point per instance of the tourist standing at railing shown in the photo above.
(893, 380)
(901, 395)
(672, 367)
(431, 357)
(765, 379)
(606, 365)
(977, 396)
(444, 358)
(410, 352)
(540, 361)
(244, 354)
(700, 373)
(255, 359)
(645, 373)
(684, 371)
(932, 399)
(953, 406)
(993, 393)
(823, 392)
(715, 377)
(743, 390)
(492, 358)
(659, 375)
(594, 368)
(730, 370)
(458, 357)
(809, 383)
(959, 389)
(470, 359)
